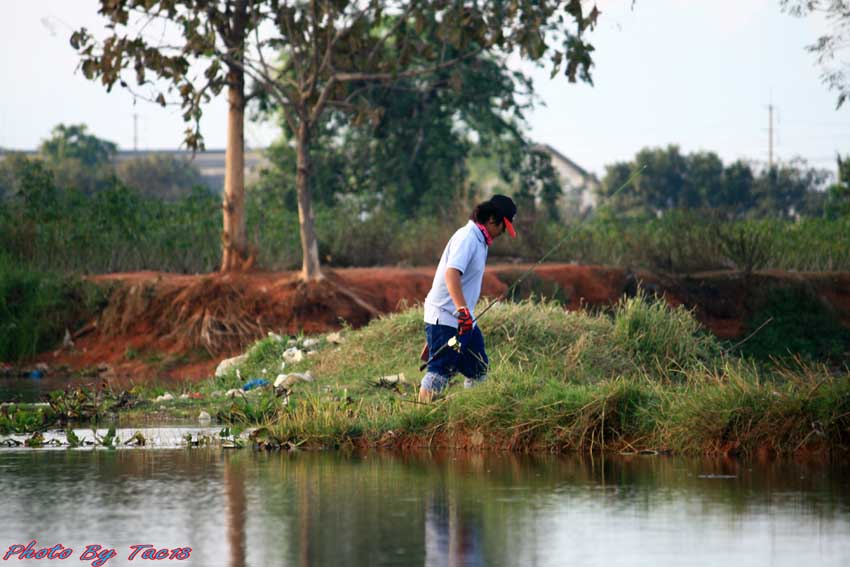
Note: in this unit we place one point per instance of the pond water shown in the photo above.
(246, 508)
(27, 390)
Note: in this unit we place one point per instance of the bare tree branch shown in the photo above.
(401, 19)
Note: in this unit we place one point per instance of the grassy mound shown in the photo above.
(645, 377)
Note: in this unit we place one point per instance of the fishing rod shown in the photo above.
(454, 342)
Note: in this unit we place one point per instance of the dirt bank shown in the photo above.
(169, 326)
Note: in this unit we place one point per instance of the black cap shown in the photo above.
(506, 209)
(505, 205)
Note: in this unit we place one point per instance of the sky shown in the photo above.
(697, 73)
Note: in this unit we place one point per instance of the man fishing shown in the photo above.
(450, 304)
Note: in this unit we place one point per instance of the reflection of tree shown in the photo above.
(234, 487)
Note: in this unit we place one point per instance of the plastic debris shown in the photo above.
(276, 337)
(394, 379)
(166, 397)
(184, 396)
(255, 383)
(310, 343)
(204, 416)
(36, 374)
(67, 341)
(229, 363)
(232, 393)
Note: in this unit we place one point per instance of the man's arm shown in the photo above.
(455, 289)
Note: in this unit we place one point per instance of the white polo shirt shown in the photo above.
(467, 253)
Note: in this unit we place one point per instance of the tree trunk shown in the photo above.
(310, 269)
(234, 243)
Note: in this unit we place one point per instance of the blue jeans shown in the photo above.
(471, 361)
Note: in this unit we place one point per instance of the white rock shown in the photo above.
(291, 342)
(166, 397)
(184, 396)
(335, 338)
(233, 393)
(276, 337)
(293, 355)
(312, 352)
(204, 416)
(309, 343)
(229, 363)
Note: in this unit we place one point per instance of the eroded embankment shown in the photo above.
(158, 325)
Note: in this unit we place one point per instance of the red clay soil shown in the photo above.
(171, 326)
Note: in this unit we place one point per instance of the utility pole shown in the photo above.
(770, 137)
(135, 132)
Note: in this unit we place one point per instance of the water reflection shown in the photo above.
(250, 509)
(234, 484)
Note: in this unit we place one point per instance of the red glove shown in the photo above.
(464, 321)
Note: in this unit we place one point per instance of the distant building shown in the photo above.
(579, 185)
(209, 162)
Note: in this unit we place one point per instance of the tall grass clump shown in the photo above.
(663, 339)
(740, 409)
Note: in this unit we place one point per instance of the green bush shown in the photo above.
(37, 307)
(800, 324)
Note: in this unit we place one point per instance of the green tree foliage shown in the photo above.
(158, 175)
(829, 47)
(413, 159)
(74, 143)
(79, 160)
(838, 195)
(787, 190)
(163, 68)
(333, 53)
(538, 184)
(671, 180)
(212, 34)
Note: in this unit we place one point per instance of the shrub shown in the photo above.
(800, 325)
(36, 308)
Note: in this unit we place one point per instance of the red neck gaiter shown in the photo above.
(487, 238)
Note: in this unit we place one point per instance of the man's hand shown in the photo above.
(464, 321)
